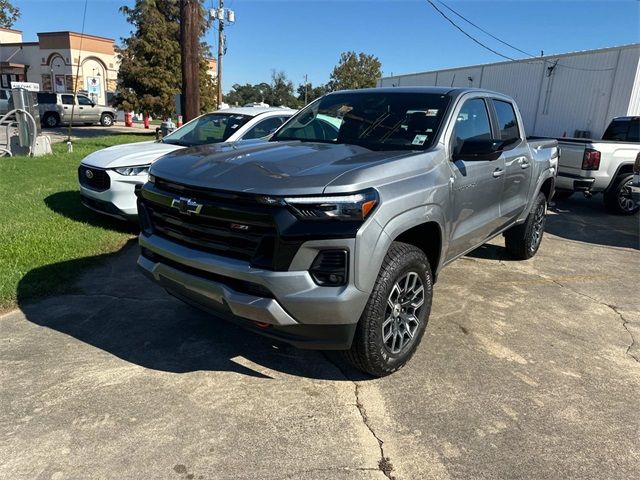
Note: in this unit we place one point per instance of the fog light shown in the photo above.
(329, 269)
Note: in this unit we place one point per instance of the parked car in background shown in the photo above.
(108, 177)
(635, 183)
(5, 93)
(331, 238)
(56, 108)
(602, 166)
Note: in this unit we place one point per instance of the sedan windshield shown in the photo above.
(384, 120)
(209, 128)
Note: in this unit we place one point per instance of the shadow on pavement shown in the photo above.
(583, 220)
(120, 311)
(68, 204)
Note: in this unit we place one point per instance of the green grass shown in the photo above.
(43, 224)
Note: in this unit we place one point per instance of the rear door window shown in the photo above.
(507, 122)
(67, 99)
(263, 128)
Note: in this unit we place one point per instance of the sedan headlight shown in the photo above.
(352, 207)
(132, 171)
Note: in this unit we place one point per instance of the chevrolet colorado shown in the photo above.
(331, 234)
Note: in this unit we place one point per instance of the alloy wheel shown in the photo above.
(403, 312)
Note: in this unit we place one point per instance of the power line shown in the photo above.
(482, 29)
(502, 41)
(466, 34)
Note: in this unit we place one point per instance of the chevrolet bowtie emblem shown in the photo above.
(186, 206)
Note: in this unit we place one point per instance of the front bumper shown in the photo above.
(119, 200)
(291, 307)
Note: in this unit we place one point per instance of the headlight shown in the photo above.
(352, 207)
(131, 171)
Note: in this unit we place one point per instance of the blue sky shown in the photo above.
(306, 36)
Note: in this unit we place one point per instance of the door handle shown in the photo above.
(498, 172)
(81, 108)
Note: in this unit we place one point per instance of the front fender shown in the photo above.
(373, 244)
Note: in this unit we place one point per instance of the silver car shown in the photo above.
(56, 108)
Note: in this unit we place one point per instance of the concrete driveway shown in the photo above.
(527, 370)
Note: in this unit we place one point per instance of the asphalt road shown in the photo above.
(527, 370)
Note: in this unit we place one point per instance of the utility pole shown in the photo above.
(190, 29)
(220, 49)
(222, 15)
(306, 83)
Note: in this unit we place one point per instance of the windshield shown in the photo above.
(385, 120)
(209, 128)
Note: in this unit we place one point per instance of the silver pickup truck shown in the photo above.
(331, 234)
(603, 166)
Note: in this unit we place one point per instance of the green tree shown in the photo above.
(149, 76)
(247, 93)
(8, 14)
(355, 71)
(280, 92)
(312, 92)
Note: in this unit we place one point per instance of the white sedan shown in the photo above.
(108, 177)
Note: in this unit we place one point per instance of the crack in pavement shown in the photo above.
(615, 309)
(384, 464)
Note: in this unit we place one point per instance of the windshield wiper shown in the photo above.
(308, 140)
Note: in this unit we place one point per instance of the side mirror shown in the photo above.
(486, 149)
(93, 104)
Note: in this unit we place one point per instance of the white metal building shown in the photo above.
(558, 95)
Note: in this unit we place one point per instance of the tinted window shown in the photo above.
(84, 100)
(67, 99)
(472, 122)
(374, 120)
(3, 95)
(44, 97)
(507, 122)
(210, 128)
(263, 128)
(626, 130)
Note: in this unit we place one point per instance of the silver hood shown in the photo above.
(283, 168)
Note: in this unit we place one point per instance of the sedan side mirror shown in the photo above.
(485, 149)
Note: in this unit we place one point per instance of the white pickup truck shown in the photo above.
(602, 166)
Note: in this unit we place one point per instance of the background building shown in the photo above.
(53, 61)
(558, 95)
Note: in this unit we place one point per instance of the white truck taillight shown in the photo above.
(591, 159)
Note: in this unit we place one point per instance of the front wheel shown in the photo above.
(522, 241)
(618, 198)
(106, 120)
(396, 314)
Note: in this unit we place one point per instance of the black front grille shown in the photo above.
(94, 178)
(221, 229)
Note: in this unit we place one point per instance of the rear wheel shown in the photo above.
(106, 120)
(522, 241)
(618, 198)
(51, 120)
(396, 314)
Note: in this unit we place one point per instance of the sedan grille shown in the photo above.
(94, 178)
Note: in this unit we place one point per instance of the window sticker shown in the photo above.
(419, 140)
(432, 112)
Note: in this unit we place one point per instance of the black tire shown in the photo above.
(106, 120)
(51, 120)
(522, 241)
(369, 352)
(618, 198)
(562, 195)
